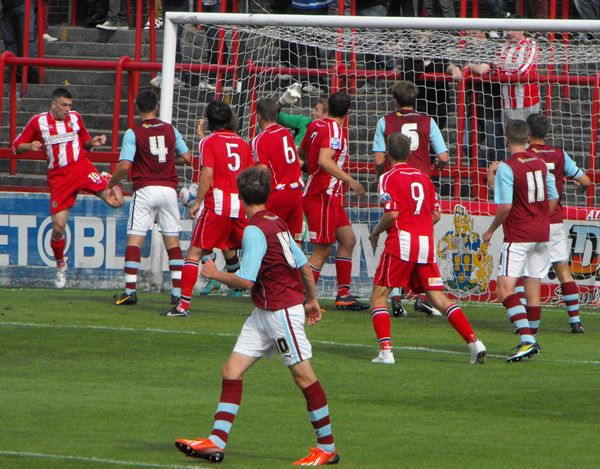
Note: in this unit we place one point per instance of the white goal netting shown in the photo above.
(462, 77)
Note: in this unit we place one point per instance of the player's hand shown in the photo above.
(492, 168)
(36, 145)
(209, 269)
(194, 209)
(114, 197)
(357, 187)
(487, 236)
(98, 140)
(200, 128)
(374, 238)
(313, 311)
(457, 73)
(441, 161)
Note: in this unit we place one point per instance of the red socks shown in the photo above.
(460, 323)
(58, 248)
(189, 277)
(316, 272)
(343, 270)
(381, 323)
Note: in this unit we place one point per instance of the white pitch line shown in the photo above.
(226, 334)
(114, 462)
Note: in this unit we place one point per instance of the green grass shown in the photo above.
(80, 378)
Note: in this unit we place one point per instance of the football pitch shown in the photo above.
(85, 384)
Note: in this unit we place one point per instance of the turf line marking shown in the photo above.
(226, 334)
(115, 462)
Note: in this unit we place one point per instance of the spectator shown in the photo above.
(44, 16)
(297, 55)
(588, 10)
(12, 24)
(116, 19)
(401, 8)
(158, 13)
(493, 8)
(538, 9)
(519, 59)
(99, 9)
(443, 8)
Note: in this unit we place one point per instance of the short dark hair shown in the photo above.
(219, 116)
(405, 93)
(338, 104)
(254, 184)
(539, 125)
(146, 101)
(517, 132)
(267, 108)
(61, 93)
(398, 146)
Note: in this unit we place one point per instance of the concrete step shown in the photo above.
(93, 49)
(79, 34)
(84, 107)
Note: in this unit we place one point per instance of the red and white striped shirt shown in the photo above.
(325, 133)
(228, 155)
(518, 60)
(62, 140)
(409, 192)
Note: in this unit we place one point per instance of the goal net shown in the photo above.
(466, 77)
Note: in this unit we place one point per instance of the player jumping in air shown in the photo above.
(325, 148)
(424, 133)
(223, 155)
(283, 292)
(526, 195)
(410, 207)
(62, 136)
(151, 150)
(274, 149)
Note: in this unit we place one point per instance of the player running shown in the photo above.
(223, 155)
(283, 292)
(62, 136)
(410, 207)
(150, 150)
(526, 195)
(274, 149)
(560, 165)
(325, 147)
(424, 134)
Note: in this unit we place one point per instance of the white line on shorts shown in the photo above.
(227, 334)
(114, 462)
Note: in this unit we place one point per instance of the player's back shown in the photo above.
(409, 192)
(154, 160)
(529, 217)
(278, 283)
(325, 133)
(228, 155)
(417, 127)
(275, 147)
(555, 160)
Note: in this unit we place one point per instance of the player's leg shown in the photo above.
(318, 257)
(536, 268)
(189, 277)
(320, 230)
(380, 317)
(213, 447)
(168, 220)
(343, 264)
(559, 256)
(175, 265)
(57, 244)
(133, 256)
(570, 295)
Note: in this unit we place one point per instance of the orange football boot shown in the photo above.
(202, 448)
(318, 457)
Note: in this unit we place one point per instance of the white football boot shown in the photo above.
(60, 281)
(477, 350)
(385, 357)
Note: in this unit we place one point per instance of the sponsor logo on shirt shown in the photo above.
(62, 138)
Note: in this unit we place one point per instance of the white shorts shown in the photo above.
(152, 203)
(267, 332)
(558, 246)
(524, 259)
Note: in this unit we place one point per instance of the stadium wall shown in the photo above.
(96, 241)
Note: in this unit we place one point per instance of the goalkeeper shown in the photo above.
(298, 122)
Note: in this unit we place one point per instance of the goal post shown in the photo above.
(242, 57)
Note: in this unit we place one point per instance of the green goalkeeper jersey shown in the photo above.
(297, 123)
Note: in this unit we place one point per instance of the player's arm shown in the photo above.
(89, 142)
(491, 174)
(503, 196)
(311, 304)
(126, 157)
(326, 163)
(552, 191)
(298, 123)
(379, 147)
(254, 247)
(387, 220)
(582, 181)
(204, 181)
(438, 145)
(27, 140)
(184, 156)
